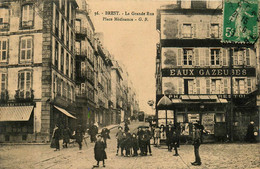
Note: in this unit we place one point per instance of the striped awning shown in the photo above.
(15, 113)
(65, 112)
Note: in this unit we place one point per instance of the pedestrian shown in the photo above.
(175, 141)
(135, 144)
(66, 137)
(99, 150)
(93, 132)
(148, 137)
(79, 136)
(140, 134)
(196, 143)
(169, 137)
(152, 134)
(157, 135)
(119, 137)
(250, 137)
(105, 134)
(126, 127)
(128, 143)
(56, 136)
(123, 144)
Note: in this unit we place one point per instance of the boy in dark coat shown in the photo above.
(66, 137)
(169, 136)
(128, 143)
(196, 143)
(135, 144)
(99, 150)
(105, 135)
(79, 136)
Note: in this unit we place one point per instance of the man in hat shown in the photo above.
(196, 143)
(119, 137)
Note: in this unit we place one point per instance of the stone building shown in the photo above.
(85, 47)
(37, 67)
(205, 79)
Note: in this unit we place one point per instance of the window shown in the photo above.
(198, 85)
(27, 15)
(62, 60)
(67, 64)
(67, 36)
(216, 86)
(239, 86)
(247, 51)
(4, 18)
(83, 89)
(56, 53)
(71, 68)
(249, 85)
(186, 31)
(83, 69)
(25, 81)
(62, 30)
(3, 50)
(26, 49)
(225, 86)
(68, 9)
(238, 56)
(214, 56)
(57, 24)
(3, 80)
(186, 4)
(214, 30)
(187, 56)
(58, 87)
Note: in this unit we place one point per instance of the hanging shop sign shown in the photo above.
(240, 21)
(208, 72)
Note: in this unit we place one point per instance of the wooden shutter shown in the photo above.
(198, 85)
(202, 57)
(194, 30)
(225, 86)
(207, 56)
(224, 57)
(207, 85)
(197, 59)
(180, 81)
(179, 62)
(179, 30)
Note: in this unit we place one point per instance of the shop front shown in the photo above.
(17, 123)
(208, 110)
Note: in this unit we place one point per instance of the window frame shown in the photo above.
(5, 21)
(187, 57)
(5, 81)
(182, 32)
(20, 49)
(214, 61)
(212, 32)
(6, 50)
(25, 72)
(22, 26)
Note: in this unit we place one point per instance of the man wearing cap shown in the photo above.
(196, 143)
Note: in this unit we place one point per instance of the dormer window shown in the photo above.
(27, 15)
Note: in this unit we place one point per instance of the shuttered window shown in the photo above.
(197, 59)
(198, 85)
(3, 50)
(3, 80)
(224, 57)
(249, 85)
(207, 57)
(180, 84)
(179, 57)
(207, 86)
(27, 15)
(26, 49)
(225, 86)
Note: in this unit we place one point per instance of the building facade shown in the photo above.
(206, 80)
(37, 68)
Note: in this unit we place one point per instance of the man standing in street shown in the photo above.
(119, 137)
(56, 137)
(79, 136)
(196, 143)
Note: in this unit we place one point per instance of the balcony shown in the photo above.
(24, 95)
(81, 32)
(4, 96)
(81, 53)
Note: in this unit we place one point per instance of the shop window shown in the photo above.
(180, 118)
(3, 50)
(4, 18)
(26, 48)
(186, 31)
(215, 56)
(220, 117)
(27, 15)
(214, 28)
(187, 56)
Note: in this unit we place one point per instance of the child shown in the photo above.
(99, 150)
(135, 144)
(128, 143)
(119, 137)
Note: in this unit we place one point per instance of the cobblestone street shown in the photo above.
(213, 156)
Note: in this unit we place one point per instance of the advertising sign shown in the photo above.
(240, 21)
(208, 122)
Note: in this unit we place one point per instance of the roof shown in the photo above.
(15, 113)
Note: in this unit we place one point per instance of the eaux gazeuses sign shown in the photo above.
(207, 72)
(240, 21)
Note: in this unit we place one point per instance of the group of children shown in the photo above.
(131, 143)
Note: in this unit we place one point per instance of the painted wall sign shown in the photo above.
(207, 72)
(240, 21)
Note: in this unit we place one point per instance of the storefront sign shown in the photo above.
(240, 21)
(193, 118)
(17, 104)
(208, 122)
(220, 96)
(208, 72)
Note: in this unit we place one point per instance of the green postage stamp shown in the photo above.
(240, 21)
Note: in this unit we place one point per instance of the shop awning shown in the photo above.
(15, 113)
(65, 112)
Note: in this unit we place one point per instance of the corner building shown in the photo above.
(37, 68)
(194, 69)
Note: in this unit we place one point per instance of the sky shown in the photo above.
(132, 43)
